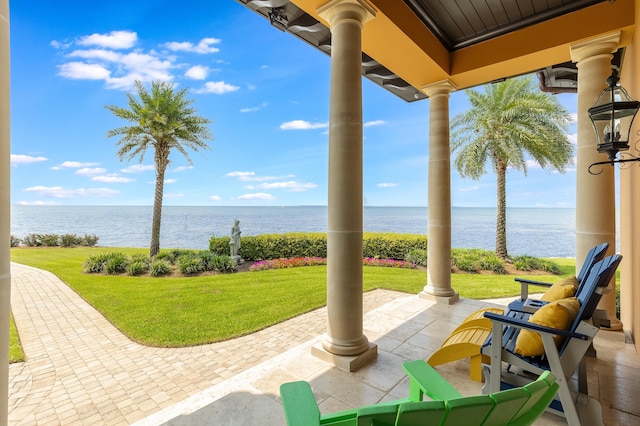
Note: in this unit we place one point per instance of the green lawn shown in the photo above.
(175, 312)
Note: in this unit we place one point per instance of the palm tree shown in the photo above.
(162, 119)
(508, 122)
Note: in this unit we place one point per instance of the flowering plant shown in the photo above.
(294, 262)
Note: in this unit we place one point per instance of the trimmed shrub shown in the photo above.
(50, 240)
(172, 255)
(70, 240)
(387, 245)
(207, 259)
(116, 263)
(417, 257)
(137, 267)
(32, 240)
(96, 264)
(160, 267)
(190, 264)
(476, 260)
(141, 257)
(223, 263)
(89, 240)
(314, 244)
(529, 263)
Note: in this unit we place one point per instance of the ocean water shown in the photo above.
(532, 231)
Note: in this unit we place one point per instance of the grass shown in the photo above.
(176, 312)
(16, 354)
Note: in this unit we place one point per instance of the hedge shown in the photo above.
(314, 244)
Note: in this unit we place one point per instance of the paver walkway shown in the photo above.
(81, 370)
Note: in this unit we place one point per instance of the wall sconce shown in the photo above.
(612, 117)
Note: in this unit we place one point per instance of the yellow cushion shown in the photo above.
(562, 289)
(557, 314)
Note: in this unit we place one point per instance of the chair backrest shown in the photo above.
(594, 255)
(600, 275)
(517, 406)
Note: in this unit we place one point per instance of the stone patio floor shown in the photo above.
(81, 370)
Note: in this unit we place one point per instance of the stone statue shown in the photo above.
(234, 244)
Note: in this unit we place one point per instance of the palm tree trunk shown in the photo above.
(161, 167)
(501, 221)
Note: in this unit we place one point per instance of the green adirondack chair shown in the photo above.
(517, 406)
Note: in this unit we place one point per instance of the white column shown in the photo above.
(595, 194)
(344, 344)
(5, 211)
(438, 286)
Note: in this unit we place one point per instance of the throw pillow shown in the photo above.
(562, 289)
(557, 314)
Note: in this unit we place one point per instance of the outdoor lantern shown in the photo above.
(612, 116)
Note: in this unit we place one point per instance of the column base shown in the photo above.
(445, 300)
(349, 363)
(616, 324)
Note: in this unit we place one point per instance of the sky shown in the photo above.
(265, 91)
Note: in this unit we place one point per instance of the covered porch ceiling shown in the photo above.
(413, 43)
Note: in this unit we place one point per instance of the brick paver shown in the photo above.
(81, 370)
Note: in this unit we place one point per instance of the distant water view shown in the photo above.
(533, 231)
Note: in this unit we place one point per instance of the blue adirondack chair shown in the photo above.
(526, 304)
(563, 361)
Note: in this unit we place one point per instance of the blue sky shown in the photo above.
(266, 92)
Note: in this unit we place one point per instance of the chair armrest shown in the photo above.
(525, 283)
(423, 379)
(300, 407)
(515, 322)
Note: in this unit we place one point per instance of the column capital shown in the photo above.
(355, 9)
(602, 45)
(442, 87)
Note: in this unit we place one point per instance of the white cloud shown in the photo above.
(112, 40)
(83, 71)
(302, 125)
(140, 66)
(197, 72)
(241, 175)
(182, 169)
(254, 109)
(257, 196)
(374, 123)
(59, 45)
(138, 168)
(90, 171)
(173, 195)
(118, 70)
(170, 181)
(73, 165)
(291, 185)
(215, 198)
(16, 159)
(60, 192)
(203, 47)
(217, 87)
(469, 189)
(533, 164)
(36, 203)
(573, 138)
(101, 54)
(251, 176)
(111, 178)
(387, 185)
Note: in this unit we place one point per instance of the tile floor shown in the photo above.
(404, 329)
(81, 370)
